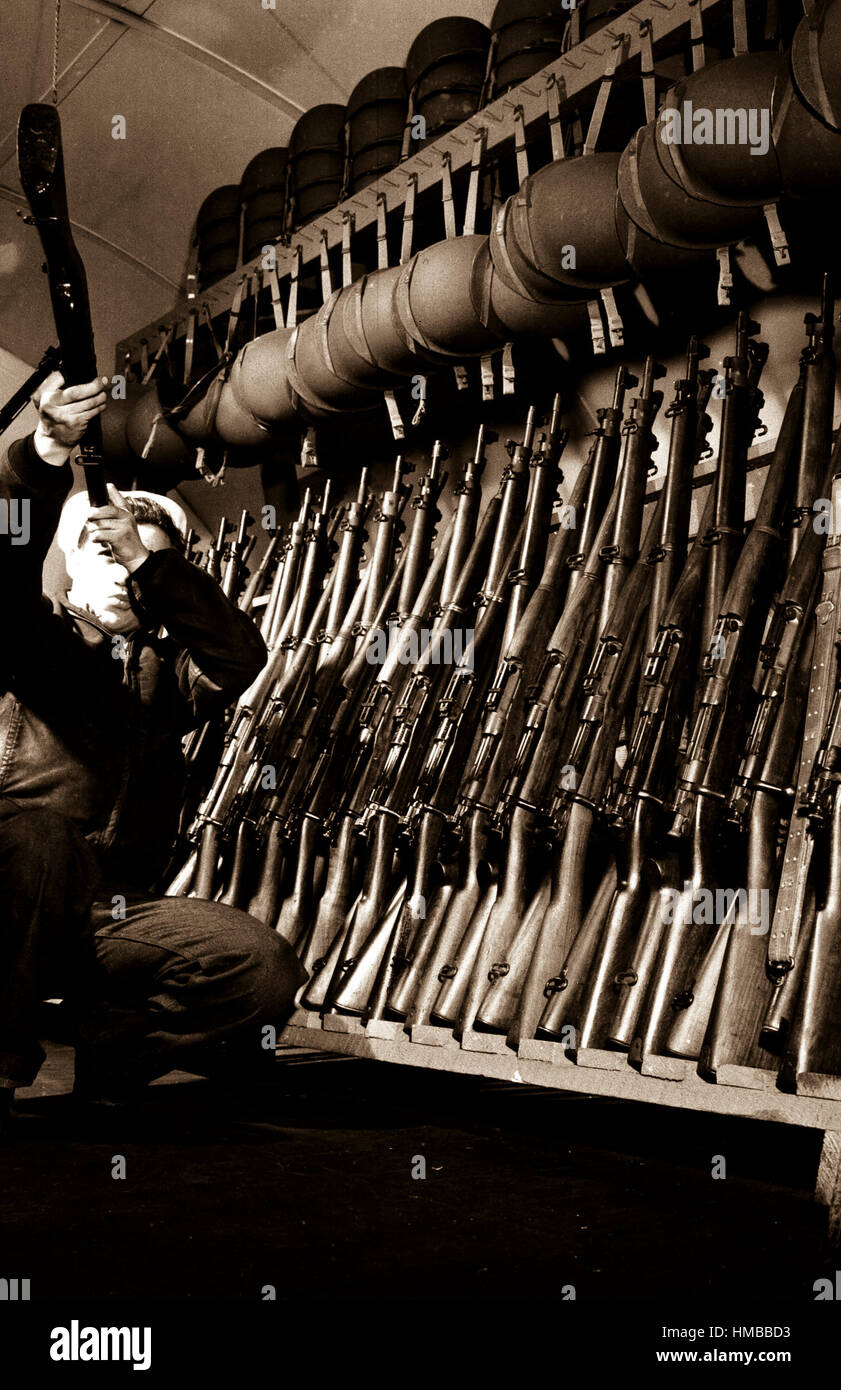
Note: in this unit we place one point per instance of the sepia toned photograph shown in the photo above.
(420, 683)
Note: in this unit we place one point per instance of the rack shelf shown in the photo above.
(573, 75)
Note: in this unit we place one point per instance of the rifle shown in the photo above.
(436, 781)
(492, 963)
(742, 401)
(19, 400)
(731, 1052)
(283, 702)
(279, 606)
(299, 694)
(256, 586)
(514, 977)
(519, 798)
(501, 724)
(203, 753)
(41, 168)
(384, 950)
(299, 650)
(469, 494)
(420, 681)
(345, 815)
(317, 776)
(296, 908)
(496, 737)
(359, 717)
(819, 369)
(312, 793)
(507, 508)
(602, 466)
(639, 791)
(573, 817)
(632, 836)
(744, 984)
(338, 889)
(235, 556)
(216, 550)
(812, 1061)
(636, 918)
(681, 979)
(669, 623)
(312, 753)
(418, 589)
(268, 696)
(532, 540)
(788, 931)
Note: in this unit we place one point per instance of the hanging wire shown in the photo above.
(55, 51)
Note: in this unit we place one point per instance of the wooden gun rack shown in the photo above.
(597, 1073)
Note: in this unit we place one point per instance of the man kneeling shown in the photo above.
(95, 699)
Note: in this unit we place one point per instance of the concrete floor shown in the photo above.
(305, 1182)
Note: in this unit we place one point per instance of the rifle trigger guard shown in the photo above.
(447, 972)
(555, 985)
(776, 970)
(498, 971)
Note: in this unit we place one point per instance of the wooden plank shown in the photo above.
(536, 1065)
(828, 1185)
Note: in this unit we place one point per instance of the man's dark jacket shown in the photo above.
(91, 726)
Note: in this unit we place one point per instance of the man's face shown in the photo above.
(100, 584)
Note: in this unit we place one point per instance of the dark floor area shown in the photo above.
(305, 1182)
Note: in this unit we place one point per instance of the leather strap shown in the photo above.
(347, 233)
(324, 263)
(450, 229)
(408, 232)
(555, 90)
(520, 145)
(382, 232)
(647, 70)
(473, 189)
(292, 306)
(322, 320)
(696, 34)
(270, 278)
(297, 384)
(190, 339)
(353, 304)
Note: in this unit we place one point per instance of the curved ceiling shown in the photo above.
(202, 88)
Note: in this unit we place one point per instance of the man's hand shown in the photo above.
(64, 413)
(115, 527)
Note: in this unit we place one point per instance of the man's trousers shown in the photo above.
(148, 980)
